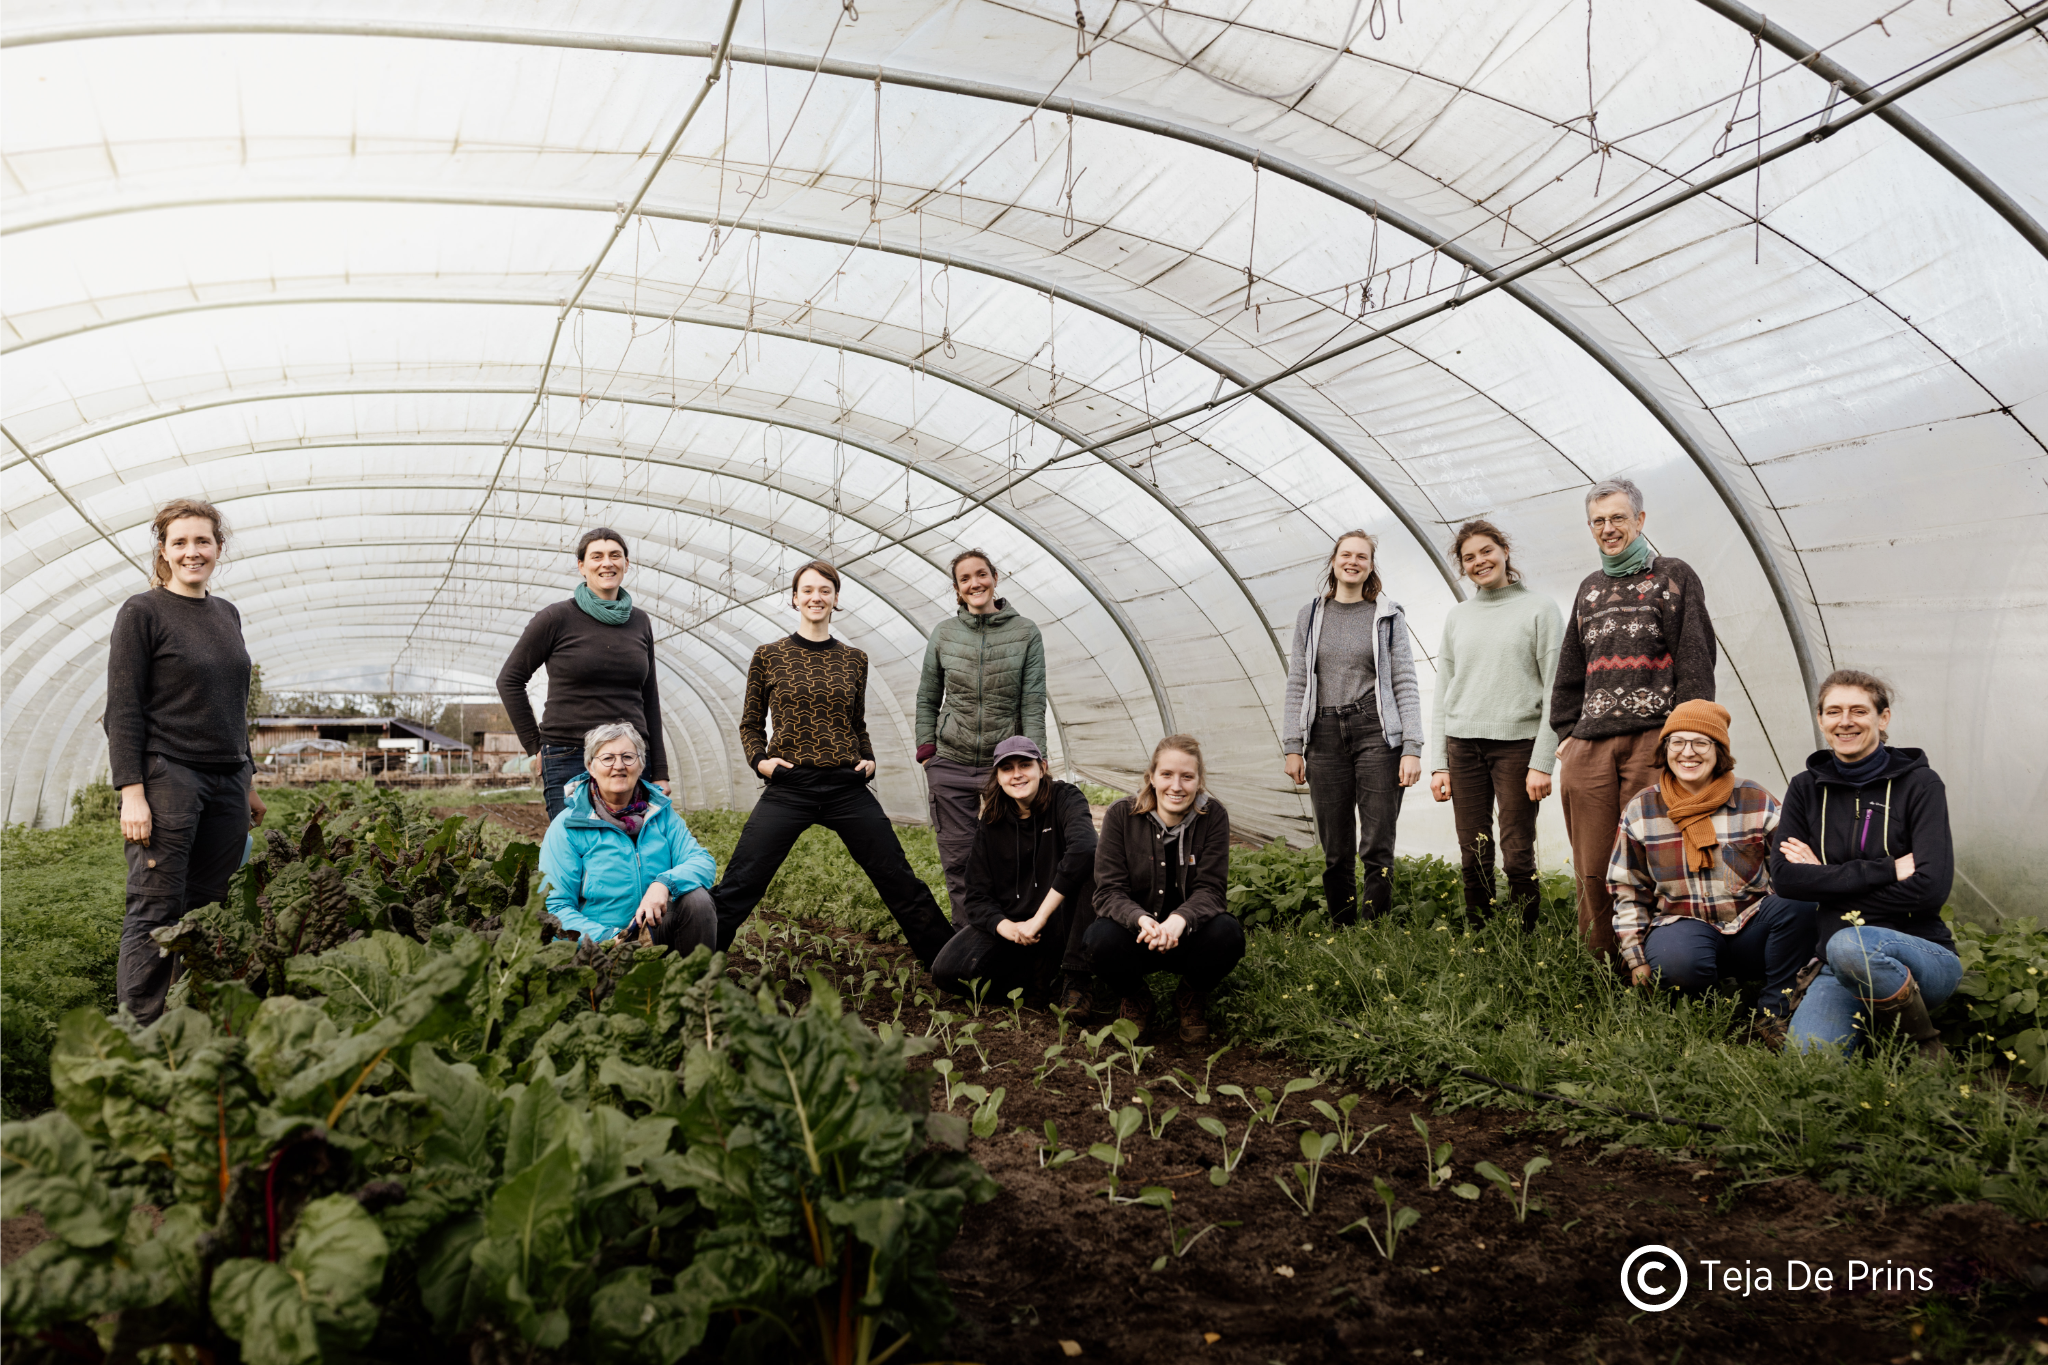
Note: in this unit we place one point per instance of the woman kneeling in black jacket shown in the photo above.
(1030, 886)
(1160, 874)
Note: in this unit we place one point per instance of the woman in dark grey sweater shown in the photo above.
(1352, 725)
(177, 725)
(599, 654)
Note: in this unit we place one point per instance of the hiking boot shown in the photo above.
(1193, 1008)
(1909, 1011)
(1078, 1000)
(1137, 1009)
(1768, 1029)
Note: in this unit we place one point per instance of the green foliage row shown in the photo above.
(476, 1141)
(1418, 997)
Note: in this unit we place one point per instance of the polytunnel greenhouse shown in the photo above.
(1148, 301)
(549, 544)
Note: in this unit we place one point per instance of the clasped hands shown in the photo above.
(1161, 935)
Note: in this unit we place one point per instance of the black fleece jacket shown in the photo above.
(1017, 859)
(1859, 830)
(1131, 872)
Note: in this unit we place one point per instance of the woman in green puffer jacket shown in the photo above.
(983, 681)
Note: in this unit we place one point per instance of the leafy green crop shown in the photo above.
(2005, 977)
(490, 1143)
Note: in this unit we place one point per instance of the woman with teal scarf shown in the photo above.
(599, 654)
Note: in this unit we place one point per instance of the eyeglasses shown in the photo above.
(616, 761)
(1690, 746)
(1618, 522)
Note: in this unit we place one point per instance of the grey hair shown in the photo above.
(1607, 488)
(597, 738)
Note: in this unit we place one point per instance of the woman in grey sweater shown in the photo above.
(1352, 727)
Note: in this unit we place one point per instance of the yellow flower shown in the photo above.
(1866, 1104)
(1966, 1091)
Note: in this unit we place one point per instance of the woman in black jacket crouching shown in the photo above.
(1160, 874)
(1030, 887)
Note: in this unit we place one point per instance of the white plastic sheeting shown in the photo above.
(315, 262)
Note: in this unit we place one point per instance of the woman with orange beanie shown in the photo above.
(1691, 875)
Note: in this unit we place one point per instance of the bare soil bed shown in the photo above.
(527, 819)
(1052, 1260)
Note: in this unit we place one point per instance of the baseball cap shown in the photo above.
(1017, 746)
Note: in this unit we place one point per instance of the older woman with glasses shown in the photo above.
(619, 856)
(1691, 877)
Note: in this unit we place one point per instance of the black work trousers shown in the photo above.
(839, 799)
(1203, 957)
(198, 830)
(978, 954)
(1354, 787)
(1485, 773)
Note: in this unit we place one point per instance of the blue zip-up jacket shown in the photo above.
(596, 875)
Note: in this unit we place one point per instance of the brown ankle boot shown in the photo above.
(1193, 1008)
(1137, 1009)
(1909, 1011)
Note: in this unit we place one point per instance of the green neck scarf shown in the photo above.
(1630, 561)
(611, 613)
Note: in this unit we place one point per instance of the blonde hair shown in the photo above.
(1147, 796)
(177, 509)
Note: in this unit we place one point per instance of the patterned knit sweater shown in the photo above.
(817, 696)
(1634, 648)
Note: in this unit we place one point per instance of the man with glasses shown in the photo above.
(1691, 876)
(1637, 645)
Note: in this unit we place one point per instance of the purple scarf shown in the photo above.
(626, 819)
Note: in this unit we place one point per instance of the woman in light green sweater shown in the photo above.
(1493, 678)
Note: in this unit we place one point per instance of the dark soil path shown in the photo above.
(1051, 1266)
(527, 819)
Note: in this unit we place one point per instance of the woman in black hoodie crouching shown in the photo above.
(1030, 887)
(1864, 831)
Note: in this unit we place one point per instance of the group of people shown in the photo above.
(1686, 874)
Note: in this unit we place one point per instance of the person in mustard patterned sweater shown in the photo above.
(812, 690)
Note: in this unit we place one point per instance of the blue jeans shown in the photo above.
(560, 764)
(1776, 942)
(1869, 964)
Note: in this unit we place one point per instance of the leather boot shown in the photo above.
(1078, 999)
(1909, 1011)
(1193, 1008)
(1138, 1009)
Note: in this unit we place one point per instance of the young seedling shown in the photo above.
(1122, 1123)
(1350, 1140)
(1186, 1083)
(1314, 1148)
(1103, 1073)
(944, 1067)
(1266, 1107)
(1436, 1161)
(1508, 1186)
(1126, 1032)
(1160, 1197)
(1052, 1062)
(1155, 1121)
(986, 1109)
(970, 1036)
(1050, 1154)
(1094, 1041)
(1016, 999)
(1398, 1221)
(977, 995)
(1220, 1175)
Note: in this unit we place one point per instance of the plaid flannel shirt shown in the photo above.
(1652, 884)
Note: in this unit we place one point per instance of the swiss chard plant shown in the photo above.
(450, 1143)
